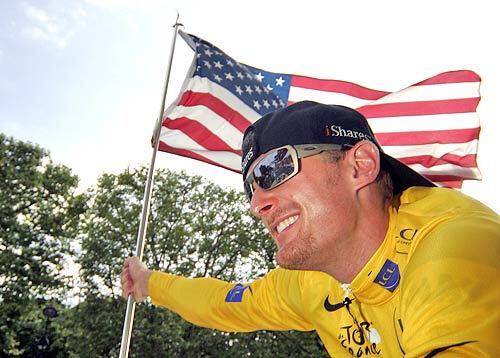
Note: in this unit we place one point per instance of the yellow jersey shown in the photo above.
(433, 286)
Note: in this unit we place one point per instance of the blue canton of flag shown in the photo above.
(262, 91)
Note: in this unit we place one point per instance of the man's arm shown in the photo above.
(273, 302)
(451, 291)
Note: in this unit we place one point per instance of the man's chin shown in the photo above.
(290, 261)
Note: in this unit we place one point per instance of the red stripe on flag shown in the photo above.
(190, 98)
(186, 153)
(200, 134)
(467, 161)
(452, 77)
(428, 137)
(462, 105)
(348, 88)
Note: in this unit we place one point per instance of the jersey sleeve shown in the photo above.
(272, 302)
(451, 291)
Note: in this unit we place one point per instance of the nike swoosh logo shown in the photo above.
(330, 308)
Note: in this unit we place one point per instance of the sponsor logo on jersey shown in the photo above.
(236, 293)
(360, 339)
(408, 234)
(389, 276)
(333, 307)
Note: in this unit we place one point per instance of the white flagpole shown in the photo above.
(129, 314)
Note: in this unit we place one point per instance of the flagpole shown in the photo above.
(129, 314)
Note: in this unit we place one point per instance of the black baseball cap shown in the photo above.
(309, 122)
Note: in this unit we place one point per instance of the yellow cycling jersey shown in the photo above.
(433, 286)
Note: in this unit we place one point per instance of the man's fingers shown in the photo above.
(133, 278)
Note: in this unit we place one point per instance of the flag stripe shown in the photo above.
(437, 92)
(348, 88)
(186, 153)
(299, 94)
(452, 77)
(423, 123)
(427, 137)
(217, 125)
(448, 170)
(190, 98)
(179, 140)
(458, 149)
(200, 134)
(462, 105)
(468, 161)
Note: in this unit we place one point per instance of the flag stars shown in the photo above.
(259, 77)
(238, 90)
(274, 103)
(229, 63)
(229, 76)
(218, 78)
(257, 105)
(248, 89)
(207, 64)
(280, 81)
(257, 89)
(218, 65)
(208, 52)
(240, 75)
(249, 76)
(266, 104)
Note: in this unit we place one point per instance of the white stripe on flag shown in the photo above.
(300, 94)
(212, 121)
(431, 122)
(448, 169)
(177, 139)
(433, 93)
(437, 151)
(227, 159)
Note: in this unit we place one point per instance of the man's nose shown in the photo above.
(263, 202)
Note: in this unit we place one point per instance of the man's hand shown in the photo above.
(134, 278)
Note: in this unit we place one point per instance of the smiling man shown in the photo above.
(372, 255)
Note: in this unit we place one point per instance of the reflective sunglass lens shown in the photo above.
(274, 169)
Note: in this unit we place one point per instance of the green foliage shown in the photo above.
(195, 228)
(38, 212)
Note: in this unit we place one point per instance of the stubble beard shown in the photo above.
(297, 254)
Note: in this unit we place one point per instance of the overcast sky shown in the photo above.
(84, 78)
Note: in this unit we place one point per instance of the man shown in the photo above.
(372, 256)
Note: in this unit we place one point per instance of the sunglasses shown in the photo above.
(282, 164)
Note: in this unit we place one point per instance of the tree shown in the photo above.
(196, 229)
(38, 212)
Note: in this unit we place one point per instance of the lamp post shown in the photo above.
(44, 342)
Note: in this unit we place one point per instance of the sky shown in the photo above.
(84, 78)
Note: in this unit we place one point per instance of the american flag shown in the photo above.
(432, 126)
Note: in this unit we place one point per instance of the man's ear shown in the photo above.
(364, 159)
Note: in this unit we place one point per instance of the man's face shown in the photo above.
(309, 216)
